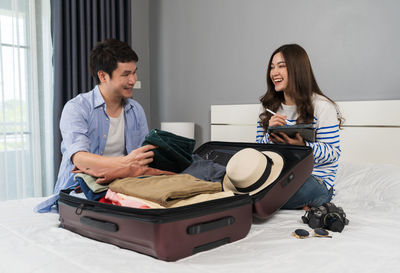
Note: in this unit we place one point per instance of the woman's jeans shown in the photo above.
(313, 193)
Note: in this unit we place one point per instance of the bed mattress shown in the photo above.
(31, 242)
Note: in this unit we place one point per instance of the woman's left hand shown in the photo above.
(283, 138)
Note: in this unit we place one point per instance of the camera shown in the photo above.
(326, 216)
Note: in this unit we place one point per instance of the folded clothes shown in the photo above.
(166, 189)
(107, 175)
(205, 169)
(202, 198)
(121, 199)
(124, 200)
(88, 192)
(173, 153)
(91, 182)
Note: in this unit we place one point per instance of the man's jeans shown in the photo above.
(313, 193)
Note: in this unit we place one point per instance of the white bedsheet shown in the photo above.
(369, 194)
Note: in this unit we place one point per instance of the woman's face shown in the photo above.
(278, 72)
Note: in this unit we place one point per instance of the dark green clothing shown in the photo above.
(174, 153)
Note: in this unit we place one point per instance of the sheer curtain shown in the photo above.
(24, 88)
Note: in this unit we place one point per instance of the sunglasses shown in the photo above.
(317, 232)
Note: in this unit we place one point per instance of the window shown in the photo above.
(21, 151)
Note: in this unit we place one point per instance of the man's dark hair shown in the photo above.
(106, 55)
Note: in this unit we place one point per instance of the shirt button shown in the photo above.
(105, 136)
(106, 118)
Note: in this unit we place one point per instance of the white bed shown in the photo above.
(367, 186)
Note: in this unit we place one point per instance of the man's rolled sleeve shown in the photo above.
(74, 130)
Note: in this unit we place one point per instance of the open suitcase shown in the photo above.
(175, 233)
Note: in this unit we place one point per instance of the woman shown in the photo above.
(293, 94)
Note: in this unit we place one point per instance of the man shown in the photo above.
(103, 128)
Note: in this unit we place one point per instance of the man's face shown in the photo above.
(123, 79)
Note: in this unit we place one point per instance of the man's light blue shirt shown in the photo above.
(84, 126)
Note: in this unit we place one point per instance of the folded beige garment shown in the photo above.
(165, 189)
(202, 198)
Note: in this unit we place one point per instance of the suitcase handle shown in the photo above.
(99, 224)
(211, 245)
(207, 226)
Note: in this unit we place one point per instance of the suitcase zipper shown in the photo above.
(155, 215)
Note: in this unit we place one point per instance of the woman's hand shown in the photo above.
(283, 138)
(277, 120)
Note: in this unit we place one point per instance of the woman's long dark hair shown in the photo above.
(301, 86)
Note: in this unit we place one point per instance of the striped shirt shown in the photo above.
(326, 148)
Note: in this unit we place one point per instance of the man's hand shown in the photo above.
(142, 156)
(284, 139)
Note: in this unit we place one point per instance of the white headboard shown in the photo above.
(371, 131)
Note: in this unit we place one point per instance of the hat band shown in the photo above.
(261, 180)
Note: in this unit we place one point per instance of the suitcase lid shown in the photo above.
(220, 152)
(298, 164)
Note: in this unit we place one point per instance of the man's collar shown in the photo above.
(128, 104)
(99, 100)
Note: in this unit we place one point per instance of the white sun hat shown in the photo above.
(250, 171)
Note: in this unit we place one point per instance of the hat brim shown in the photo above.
(276, 170)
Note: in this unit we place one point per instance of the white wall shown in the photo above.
(140, 43)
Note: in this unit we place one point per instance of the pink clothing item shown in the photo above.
(152, 205)
(120, 200)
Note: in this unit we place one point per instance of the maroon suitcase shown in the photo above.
(175, 233)
(167, 234)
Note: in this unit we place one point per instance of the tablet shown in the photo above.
(305, 130)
